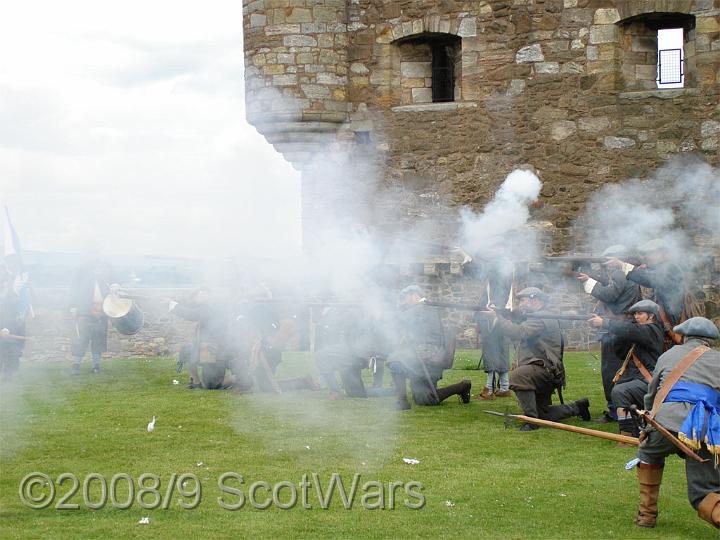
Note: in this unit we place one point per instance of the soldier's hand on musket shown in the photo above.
(595, 321)
(582, 277)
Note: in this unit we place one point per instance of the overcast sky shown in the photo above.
(123, 122)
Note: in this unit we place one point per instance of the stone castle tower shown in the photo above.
(435, 101)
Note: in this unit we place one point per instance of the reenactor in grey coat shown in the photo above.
(540, 370)
(421, 354)
(667, 281)
(644, 340)
(614, 300)
(684, 397)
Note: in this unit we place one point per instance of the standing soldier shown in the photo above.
(14, 306)
(540, 370)
(644, 340)
(422, 354)
(90, 286)
(495, 346)
(684, 397)
(614, 300)
(667, 281)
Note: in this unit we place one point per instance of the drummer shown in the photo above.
(90, 285)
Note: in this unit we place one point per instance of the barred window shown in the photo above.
(670, 73)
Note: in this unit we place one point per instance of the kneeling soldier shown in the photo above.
(684, 397)
(644, 339)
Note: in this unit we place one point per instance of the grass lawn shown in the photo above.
(480, 479)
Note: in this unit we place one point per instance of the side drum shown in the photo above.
(124, 314)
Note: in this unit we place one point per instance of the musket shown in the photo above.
(647, 417)
(483, 310)
(588, 259)
(13, 336)
(603, 280)
(567, 427)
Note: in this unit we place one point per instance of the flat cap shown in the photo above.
(698, 327)
(656, 244)
(614, 250)
(533, 292)
(411, 289)
(646, 306)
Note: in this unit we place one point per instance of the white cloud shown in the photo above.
(125, 122)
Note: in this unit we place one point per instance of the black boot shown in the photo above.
(401, 391)
(583, 405)
(629, 427)
(462, 389)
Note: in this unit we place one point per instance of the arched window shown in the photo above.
(654, 49)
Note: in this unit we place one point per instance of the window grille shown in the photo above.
(670, 69)
(443, 76)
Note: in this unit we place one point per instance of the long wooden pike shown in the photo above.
(567, 427)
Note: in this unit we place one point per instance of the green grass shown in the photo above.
(500, 483)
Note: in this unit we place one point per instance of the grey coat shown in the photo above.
(618, 295)
(705, 370)
(668, 284)
(540, 342)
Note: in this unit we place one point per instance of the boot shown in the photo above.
(626, 426)
(401, 392)
(709, 509)
(462, 389)
(649, 479)
(583, 405)
(486, 394)
(503, 393)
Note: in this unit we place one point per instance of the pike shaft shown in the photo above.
(576, 429)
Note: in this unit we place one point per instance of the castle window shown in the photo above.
(429, 68)
(670, 58)
(653, 50)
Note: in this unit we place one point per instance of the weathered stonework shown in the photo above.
(564, 86)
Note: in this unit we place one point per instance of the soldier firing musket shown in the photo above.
(540, 370)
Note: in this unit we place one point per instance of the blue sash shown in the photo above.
(703, 398)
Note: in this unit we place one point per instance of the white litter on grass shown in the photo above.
(175, 381)
(411, 461)
(151, 425)
(307, 447)
(144, 521)
(199, 464)
(563, 495)
(630, 465)
(449, 504)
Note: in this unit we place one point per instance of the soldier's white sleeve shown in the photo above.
(589, 285)
(627, 268)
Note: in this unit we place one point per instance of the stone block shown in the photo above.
(562, 129)
(618, 143)
(547, 67)
(572, 68)
(315, 91)
(257, 19)
(313, 28)
(330, 78)
(298, 15)
(516, 87)
(646, 44)
(285, 58)
(606, 33)
(572, 18)
(531, 53)
(468, 27)
(280, 29)
(289, 79)
(647, 73)
(274, 4)
(594, 124)
(325, 14)
(418, 26)
(709, 128)
(606, 16)
(299, 41)
(360, 69)
(445, 26)
(422, 95)
(415, 69)
(273, 69)
(326, 41)
(707, 25)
